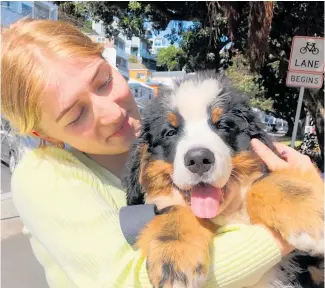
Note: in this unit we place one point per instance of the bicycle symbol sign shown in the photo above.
(307, 54)
(310, 47)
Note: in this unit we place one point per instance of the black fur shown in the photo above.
(237, 126)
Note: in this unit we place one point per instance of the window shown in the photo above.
(135, 93)
(41, 12)
(158, 43)
(26, 10)
(121, 45)
(5, 4)
(134, 51)
(100, 39)
(141, 76)
(13, 6)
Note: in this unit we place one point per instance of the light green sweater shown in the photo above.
(70, 208)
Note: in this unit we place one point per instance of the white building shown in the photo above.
(158, 42)
(12, 11)
(141, 91)
(114, 51)
(140, 48)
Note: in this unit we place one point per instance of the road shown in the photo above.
(19, 267)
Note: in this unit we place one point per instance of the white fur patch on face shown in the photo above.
(192, 102)
(192, 99)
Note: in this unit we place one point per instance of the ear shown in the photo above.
(256, 130)
(251, 127)
(137, 159)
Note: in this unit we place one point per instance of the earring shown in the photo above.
(61, 145)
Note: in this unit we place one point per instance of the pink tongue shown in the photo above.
(205, 201)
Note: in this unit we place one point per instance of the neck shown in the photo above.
(113, 163)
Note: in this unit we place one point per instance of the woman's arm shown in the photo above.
(78, 239)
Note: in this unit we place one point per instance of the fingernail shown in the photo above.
(284, 153)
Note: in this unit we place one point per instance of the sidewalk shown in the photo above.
(19, 266)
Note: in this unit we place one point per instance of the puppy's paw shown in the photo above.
(292, 202)
(177, 265)
(177, 247)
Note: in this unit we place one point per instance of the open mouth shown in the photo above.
(204, 199)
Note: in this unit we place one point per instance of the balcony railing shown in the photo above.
(147, 55)
(120, 52)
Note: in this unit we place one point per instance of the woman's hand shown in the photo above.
(290, 158)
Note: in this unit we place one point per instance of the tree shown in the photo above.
(74, 13)
(262, 31)
(167, 57)
(245, 81)
(305, 19)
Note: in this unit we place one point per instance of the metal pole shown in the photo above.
(295, 127)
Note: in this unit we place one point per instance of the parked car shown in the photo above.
(14, 146)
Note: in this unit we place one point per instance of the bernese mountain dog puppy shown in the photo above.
(193, 159)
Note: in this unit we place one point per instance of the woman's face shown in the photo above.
(89, 106)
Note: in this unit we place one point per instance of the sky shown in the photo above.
(171, 24)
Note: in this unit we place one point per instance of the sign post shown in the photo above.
(295, 127)
(306, 68)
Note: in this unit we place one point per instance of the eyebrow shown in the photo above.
(65, 111)
(97, 71)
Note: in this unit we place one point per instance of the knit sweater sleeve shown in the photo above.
(76, 225)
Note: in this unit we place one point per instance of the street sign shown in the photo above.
(306, 68)
(307, 54)
(303, 79)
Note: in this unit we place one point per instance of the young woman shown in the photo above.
(56, 85)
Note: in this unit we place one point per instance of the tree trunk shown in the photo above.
(290, 127)
(314, 101)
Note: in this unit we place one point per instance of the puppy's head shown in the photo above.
(195, 140)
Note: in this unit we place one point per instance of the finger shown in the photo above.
(291, 155)
(272, 161)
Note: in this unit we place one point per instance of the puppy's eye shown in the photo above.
(222, 126)
(171, 133)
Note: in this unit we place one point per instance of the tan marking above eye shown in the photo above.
(173, 119)
(216, 114)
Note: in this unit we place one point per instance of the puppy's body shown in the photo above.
(194, 153)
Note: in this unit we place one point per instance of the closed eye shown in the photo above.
(82, 114)
(105, 84)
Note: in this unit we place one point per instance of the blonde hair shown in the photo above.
(25, 45)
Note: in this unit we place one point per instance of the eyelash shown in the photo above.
(108, 80)
(82, 113)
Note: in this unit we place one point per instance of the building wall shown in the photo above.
(114, 51)
(155, 87)
(141, 75)
(12, 11)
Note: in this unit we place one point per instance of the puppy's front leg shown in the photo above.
(177, 246)
(292, 202)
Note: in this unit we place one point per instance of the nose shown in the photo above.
(199, 160)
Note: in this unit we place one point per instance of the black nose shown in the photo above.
(199, 160)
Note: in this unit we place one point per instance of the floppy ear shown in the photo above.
(137, 158)
(251, 127)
